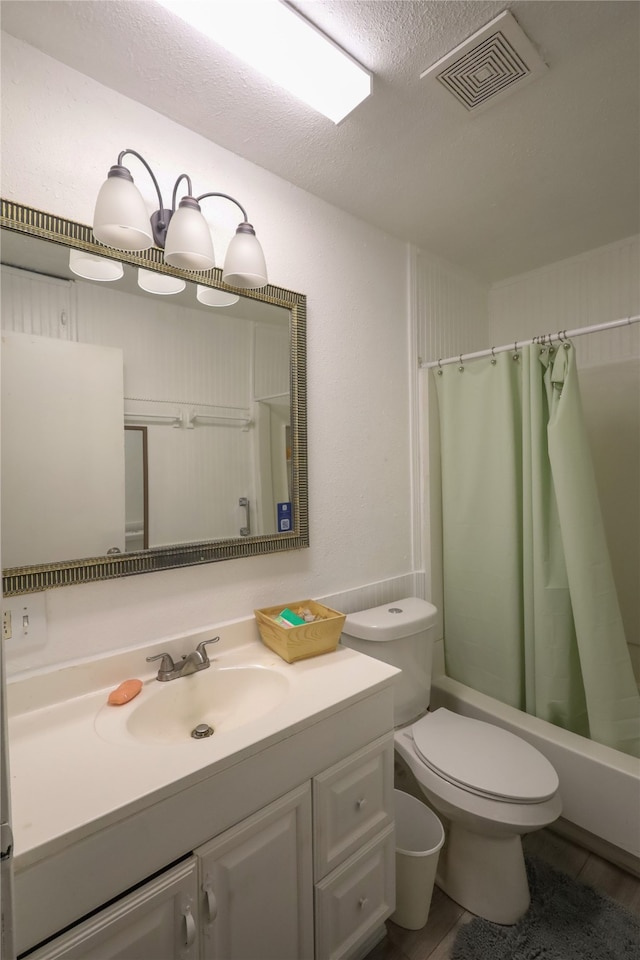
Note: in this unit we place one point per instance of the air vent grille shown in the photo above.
(488, 65)
(488, 69)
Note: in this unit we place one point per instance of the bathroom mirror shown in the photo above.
(216, 468)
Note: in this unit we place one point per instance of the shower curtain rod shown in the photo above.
(545, 338)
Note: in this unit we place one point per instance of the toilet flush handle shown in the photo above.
(361, 803)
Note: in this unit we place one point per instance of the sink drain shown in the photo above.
(201, 731)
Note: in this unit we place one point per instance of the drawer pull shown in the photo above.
(362, 902)
(362, 802)
(212, 905)
(190, 927)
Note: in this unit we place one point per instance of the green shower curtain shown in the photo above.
(530, 608)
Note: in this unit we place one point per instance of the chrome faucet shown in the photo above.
(192, 663)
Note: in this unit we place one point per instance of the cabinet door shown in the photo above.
(257, 887)
(158, 921)
(62, 420)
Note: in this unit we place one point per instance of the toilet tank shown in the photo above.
(400, 633)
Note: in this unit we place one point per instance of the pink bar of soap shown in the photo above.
(125, 692)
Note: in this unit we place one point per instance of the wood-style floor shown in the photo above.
(435, 940)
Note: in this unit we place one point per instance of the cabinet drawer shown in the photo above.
(355, 898)
(352, 801)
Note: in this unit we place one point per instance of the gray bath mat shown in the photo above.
(566, 921)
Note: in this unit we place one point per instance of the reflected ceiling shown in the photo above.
(40, 256)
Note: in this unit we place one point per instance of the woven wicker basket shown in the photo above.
(305, 640)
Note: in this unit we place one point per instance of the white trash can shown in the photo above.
(419, 837)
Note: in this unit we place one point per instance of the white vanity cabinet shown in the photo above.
(245, 895)
(287, 883)
(158, 921)
(281, 849)
(258, 884)
(354, 850)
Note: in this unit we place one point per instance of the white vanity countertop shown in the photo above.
(67, 781)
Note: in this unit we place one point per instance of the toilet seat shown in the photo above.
(483, 759)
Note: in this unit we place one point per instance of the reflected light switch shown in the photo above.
(28, 628)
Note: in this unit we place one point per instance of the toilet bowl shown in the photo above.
(490, 786)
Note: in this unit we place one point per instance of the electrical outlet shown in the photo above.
(6, 624)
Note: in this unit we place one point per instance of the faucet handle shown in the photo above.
(167, 664)
(201, 647)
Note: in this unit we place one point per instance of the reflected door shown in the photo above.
(62, 450)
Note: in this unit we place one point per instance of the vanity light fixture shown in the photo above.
(212, 297)
(102, 269)
(121, 221)
(94, 268)
(276, 40)
(159, 283)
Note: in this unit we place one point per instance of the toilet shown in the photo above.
(490, 786)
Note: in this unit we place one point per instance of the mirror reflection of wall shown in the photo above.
(136, 489)
(274, 447)
(193, 377)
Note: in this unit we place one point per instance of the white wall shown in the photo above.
(450, 306)
(452, 315)
(595, 287)
(61, 132)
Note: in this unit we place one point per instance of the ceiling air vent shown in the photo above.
(488, 66)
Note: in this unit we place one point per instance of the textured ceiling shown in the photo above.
(546, 173)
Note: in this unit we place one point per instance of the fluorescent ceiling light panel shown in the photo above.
(274, 39)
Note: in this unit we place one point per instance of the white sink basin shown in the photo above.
(222, 698)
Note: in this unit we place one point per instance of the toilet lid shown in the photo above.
(483, 759)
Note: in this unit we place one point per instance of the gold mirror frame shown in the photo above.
(31, 579)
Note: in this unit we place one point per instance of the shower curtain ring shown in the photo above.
(552, 349)
(566, 343)
(461, 367)
(493, 357)
(439, 367)
(516, 355)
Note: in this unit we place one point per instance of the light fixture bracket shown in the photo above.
(159, 225)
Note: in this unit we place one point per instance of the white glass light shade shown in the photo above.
(244, 264)
(215, 298)
(188, 244)
(94, 268)
(121, 219)
(159, 283)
